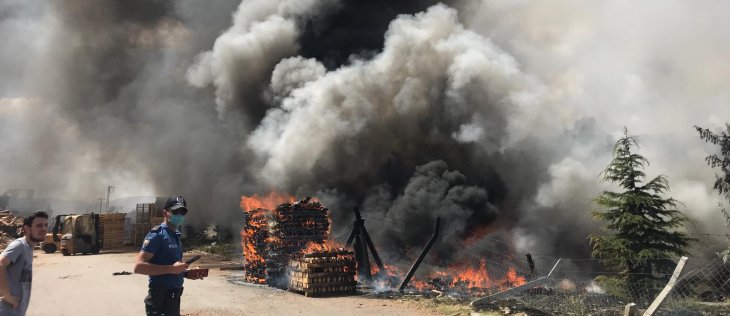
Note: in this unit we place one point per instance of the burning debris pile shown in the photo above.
(10, 227)
(272, 236)
(285, 244)
(323, 273)
(482, 279)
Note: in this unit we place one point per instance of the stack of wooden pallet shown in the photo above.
(147, 216)
(271, 238)
(327, 273)
(112, 230)
(293, 227)
(255, 235)
(142, 222)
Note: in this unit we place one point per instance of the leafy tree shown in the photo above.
(720, 161)
(640, 222)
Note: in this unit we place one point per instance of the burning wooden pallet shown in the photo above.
(327, 273)
(271, 238)
(255, 234)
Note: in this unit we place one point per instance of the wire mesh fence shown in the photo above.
(568, 287)
(565, 286)
(572, 289)
(701, 291)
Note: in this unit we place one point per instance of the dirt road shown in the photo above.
(84, 285)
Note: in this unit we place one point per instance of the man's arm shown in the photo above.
(143, 266)
(4, 286)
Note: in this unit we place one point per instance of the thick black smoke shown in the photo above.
(495, 115)
(355, 29)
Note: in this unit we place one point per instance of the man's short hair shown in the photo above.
(28, 221)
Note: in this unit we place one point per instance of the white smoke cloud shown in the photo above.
(30, 124)
(512, 76)
(397, 87)
(654, 67)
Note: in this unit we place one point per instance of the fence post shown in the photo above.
(630, 309)
(667, 288)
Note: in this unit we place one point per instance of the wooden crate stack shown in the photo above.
(147, 216)
(142, 223)
(112, 230)
(293, 227)
(271, 238)
(327, 273)
(255, 235)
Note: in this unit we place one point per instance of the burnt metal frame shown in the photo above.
(420, 257)
(360, 236)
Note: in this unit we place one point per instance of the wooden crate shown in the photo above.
(329, 273)
(140, 231)
(112, 230)
(147, 216)
(156, 221)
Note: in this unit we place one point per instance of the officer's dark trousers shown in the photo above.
(163, 302)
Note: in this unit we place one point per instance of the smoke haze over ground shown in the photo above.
(497, 116)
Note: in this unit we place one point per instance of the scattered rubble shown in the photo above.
(11, 227)
(514, 307)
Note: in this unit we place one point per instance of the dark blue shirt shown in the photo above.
(165, 244)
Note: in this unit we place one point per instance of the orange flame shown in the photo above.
(328, 245)
(420, 285)
(474, 277)
(391, 271)
(252, 256)
(270, 201)
(479, 277)
(513, 279)
(256, 236)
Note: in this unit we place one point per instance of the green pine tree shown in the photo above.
(640, 222)
(720, 161)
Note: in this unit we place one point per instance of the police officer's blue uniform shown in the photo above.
(164, 290)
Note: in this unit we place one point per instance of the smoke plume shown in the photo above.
(496, 116)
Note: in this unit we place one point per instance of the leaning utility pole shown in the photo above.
(109, 189)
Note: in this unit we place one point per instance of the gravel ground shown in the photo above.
(84, 285)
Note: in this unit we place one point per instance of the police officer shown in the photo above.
(161, 259)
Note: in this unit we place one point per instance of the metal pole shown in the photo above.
(381, 267)
(109, 189)
(101, 202)
(366, 238)
(352, 233)
(365, 258)
(361, 256)
(423, 255)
